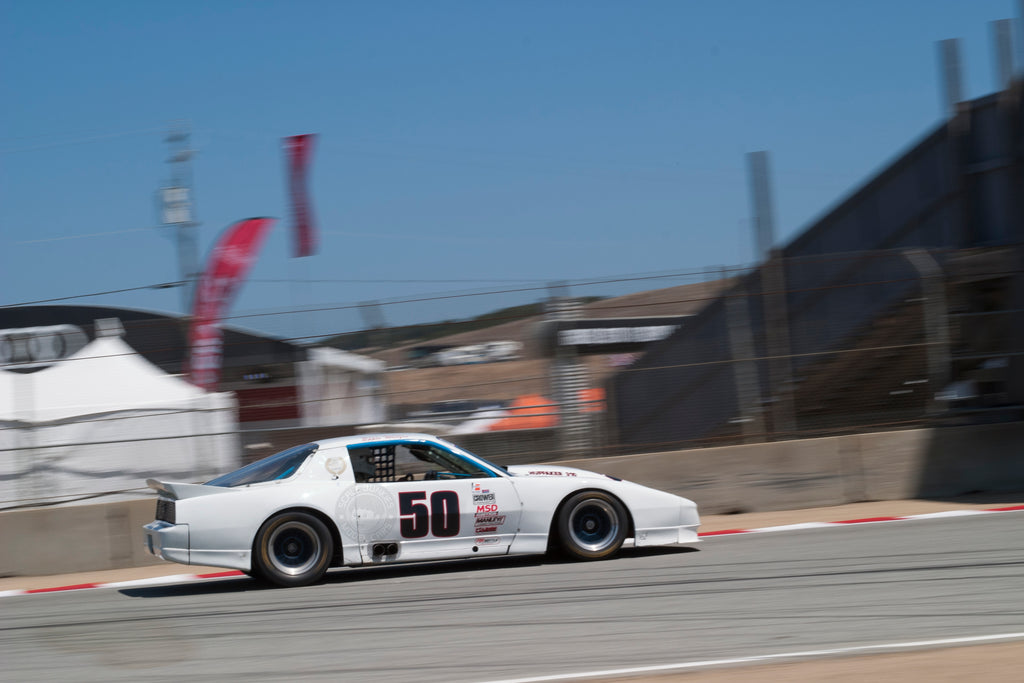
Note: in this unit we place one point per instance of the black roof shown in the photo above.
(159, 337)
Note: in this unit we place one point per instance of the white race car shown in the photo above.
(379, 499)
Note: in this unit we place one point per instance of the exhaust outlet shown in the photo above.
(382, 549)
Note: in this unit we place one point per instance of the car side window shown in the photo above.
(278, 466)
(410, 462)
(373, 464)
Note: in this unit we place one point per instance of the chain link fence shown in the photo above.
(801, 347)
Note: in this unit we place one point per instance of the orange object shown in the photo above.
(533, 411)
(530, 411)
(592, 400)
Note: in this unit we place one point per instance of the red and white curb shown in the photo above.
(135, 583)
(864, 520)
(188, 578)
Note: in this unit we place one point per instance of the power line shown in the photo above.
(162, 285)
(76, 141)
(84, 236)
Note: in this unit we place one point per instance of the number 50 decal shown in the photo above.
(441, 517)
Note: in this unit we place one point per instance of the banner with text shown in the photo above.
(229, 262)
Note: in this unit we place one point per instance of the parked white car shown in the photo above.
(384, 498)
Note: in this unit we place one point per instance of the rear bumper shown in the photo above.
(171, 542)
(167, 541)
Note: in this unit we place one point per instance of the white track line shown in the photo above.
(760, 659)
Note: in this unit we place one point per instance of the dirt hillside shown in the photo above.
(506, 380)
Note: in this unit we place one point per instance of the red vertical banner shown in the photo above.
(229, 262)
(298, 151)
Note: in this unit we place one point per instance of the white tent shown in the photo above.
(105, 419)
(340, 388)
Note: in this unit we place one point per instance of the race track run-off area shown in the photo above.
(935, 581)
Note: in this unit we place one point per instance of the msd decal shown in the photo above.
(491, 507)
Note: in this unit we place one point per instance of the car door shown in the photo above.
(426, 503)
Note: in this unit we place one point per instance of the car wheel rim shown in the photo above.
(593, 525)
(295, 548)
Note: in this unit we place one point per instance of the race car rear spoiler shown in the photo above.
(179, 491)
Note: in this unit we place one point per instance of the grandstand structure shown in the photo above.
(903, 306)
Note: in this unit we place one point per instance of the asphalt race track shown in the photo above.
(736, 596)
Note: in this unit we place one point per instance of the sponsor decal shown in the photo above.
(486, 529)
(478, 489)
(483, 497)
(487, 541)
(489, 519)
(490, 507)
(366, 512)
(336, 465)
(552, 473)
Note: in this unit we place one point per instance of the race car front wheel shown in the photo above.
(292, 549)
(591, 525)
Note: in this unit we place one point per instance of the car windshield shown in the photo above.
(278, 466)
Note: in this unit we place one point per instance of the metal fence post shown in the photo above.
(744, 367)
(936, 326)
(776, 330)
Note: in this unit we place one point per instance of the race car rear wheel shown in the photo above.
(292, 549)
(591, 525)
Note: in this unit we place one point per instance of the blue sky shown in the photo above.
(463, 146)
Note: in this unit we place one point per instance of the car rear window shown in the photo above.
(278, 466)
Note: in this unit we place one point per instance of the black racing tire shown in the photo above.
(292, 549)
(591, 525)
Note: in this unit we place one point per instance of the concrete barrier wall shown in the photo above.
(916, 463)
(925, 463)
(770, 476)
(75, 538)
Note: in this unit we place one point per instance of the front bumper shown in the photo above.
(168, 541)
(682, 530)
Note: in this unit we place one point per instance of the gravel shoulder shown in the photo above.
(1000, 662)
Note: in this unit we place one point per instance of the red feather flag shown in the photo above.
(298, 151)
(229, 262)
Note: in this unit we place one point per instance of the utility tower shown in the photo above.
(377, 327)
(176, 212)
(568, 376)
